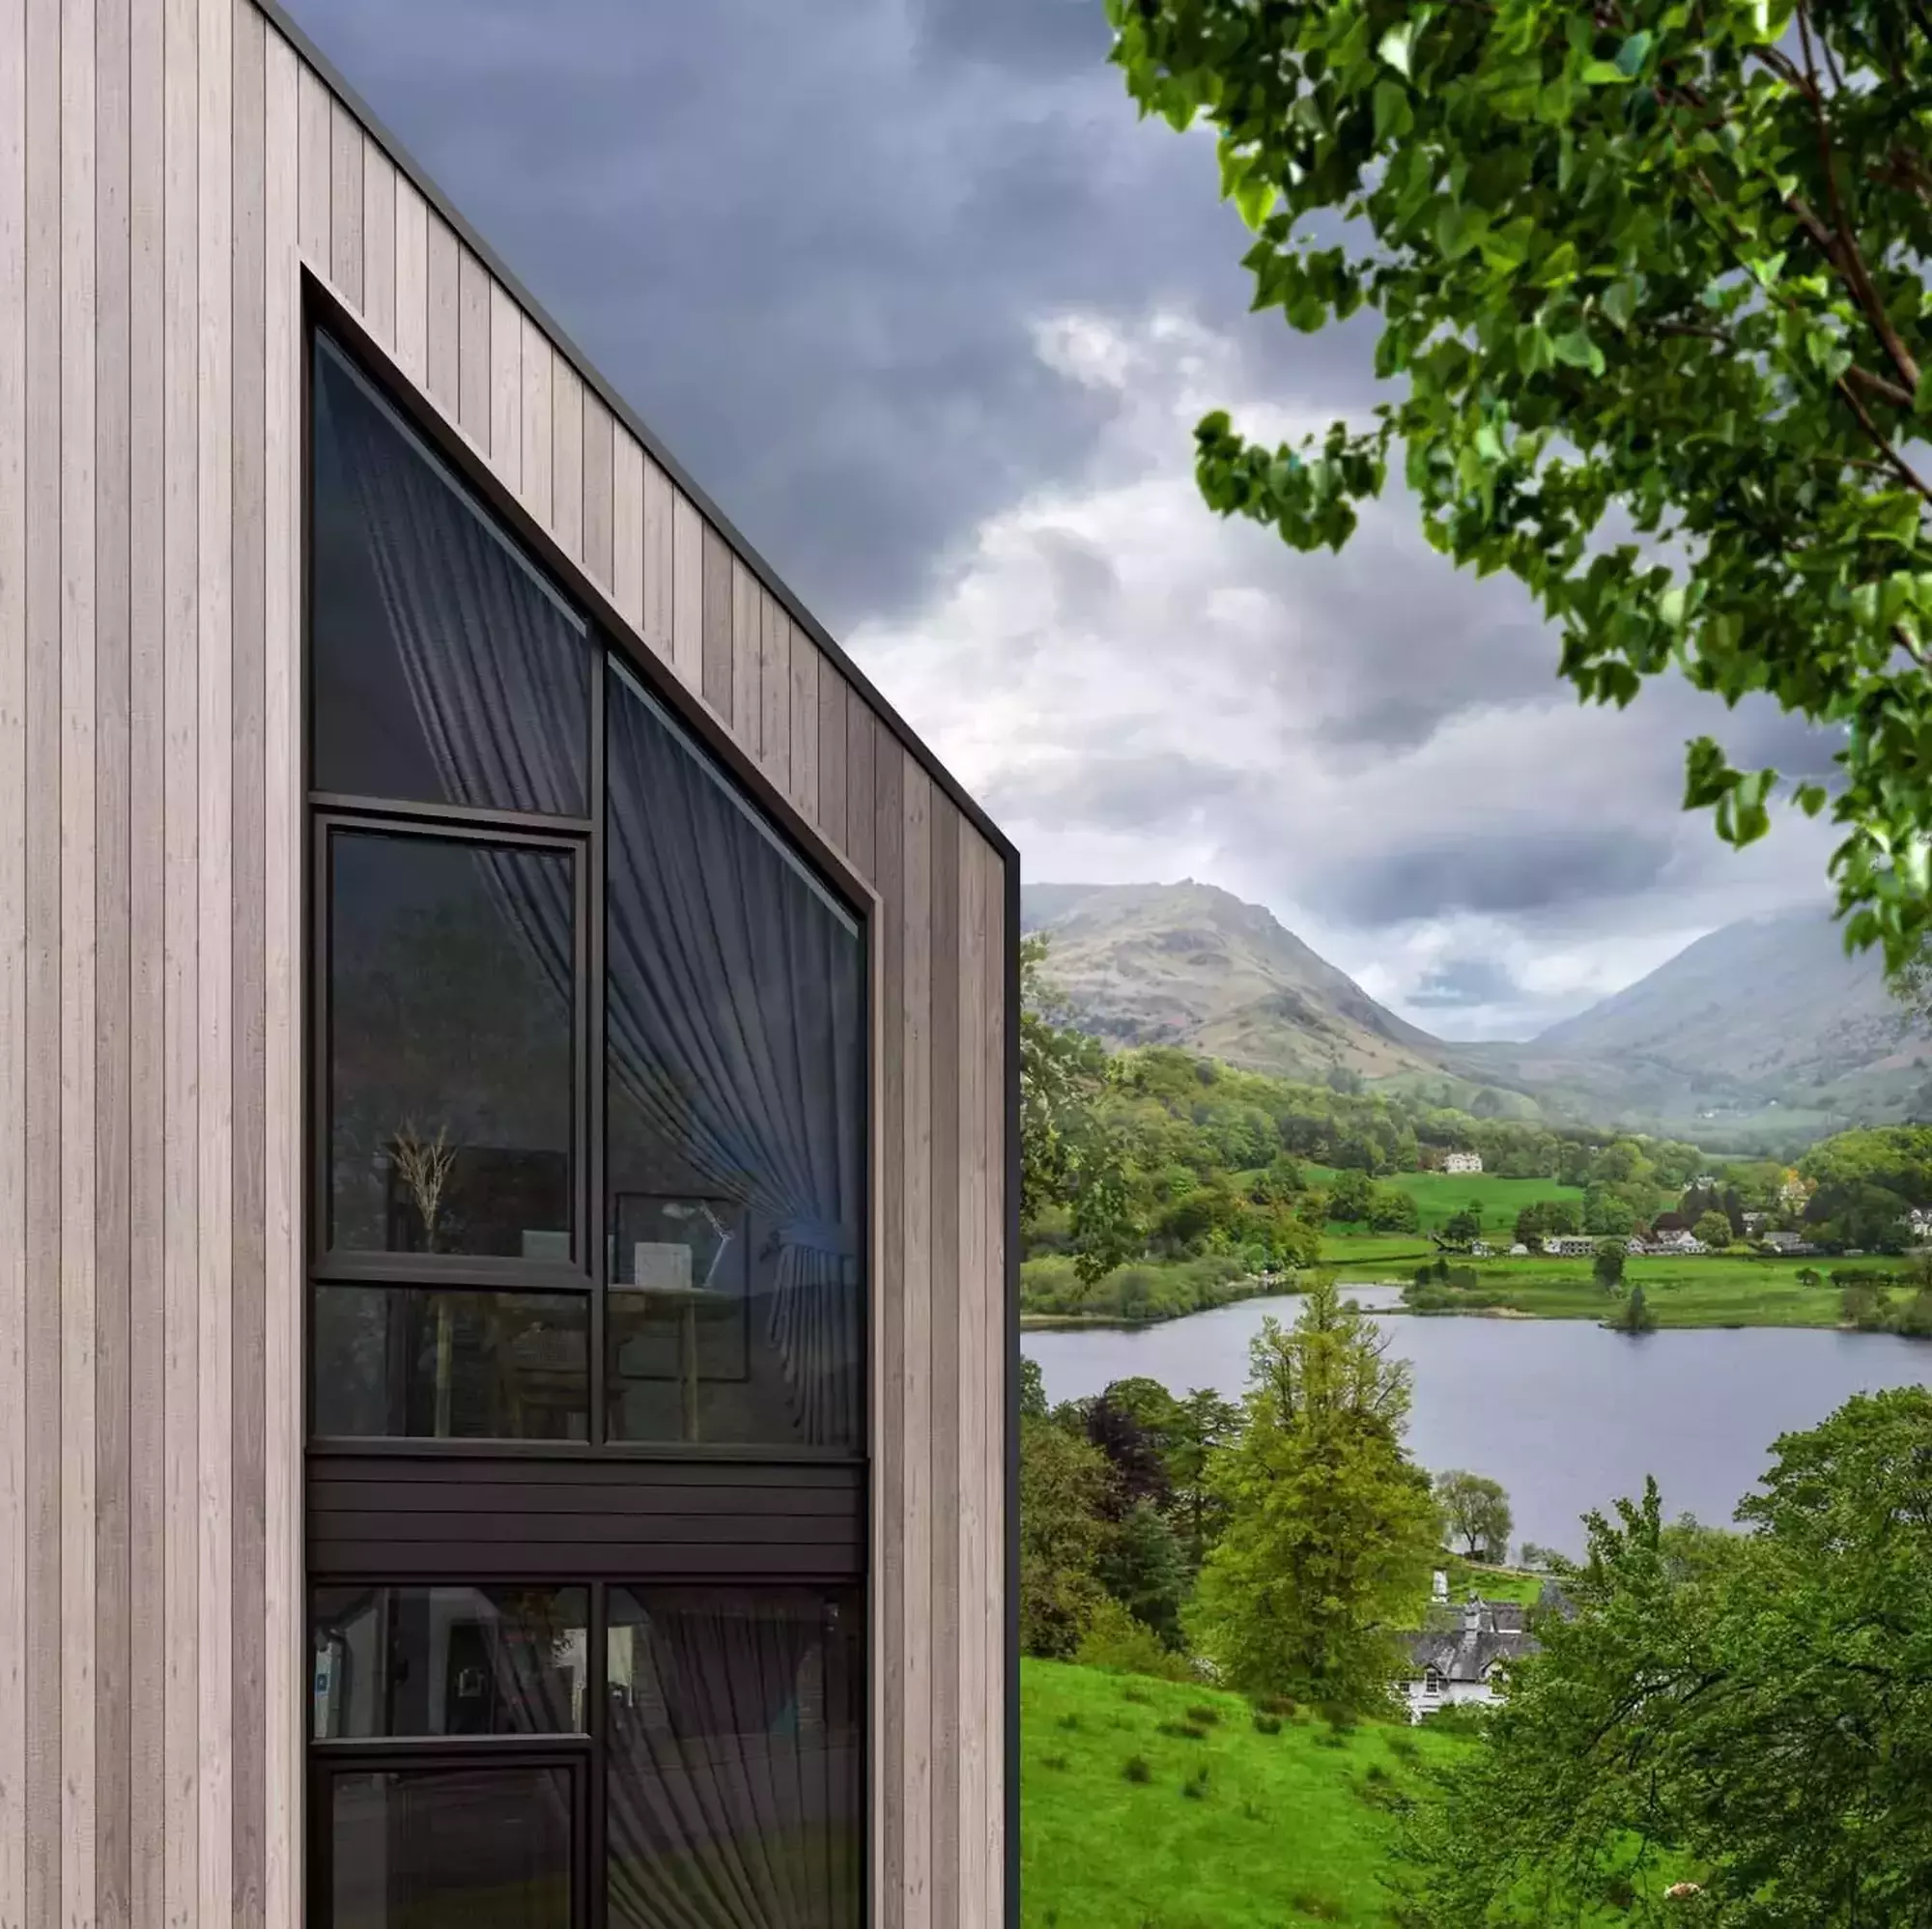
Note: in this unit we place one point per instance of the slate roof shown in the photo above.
(1470, 1639)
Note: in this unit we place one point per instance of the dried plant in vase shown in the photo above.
(425, 1164)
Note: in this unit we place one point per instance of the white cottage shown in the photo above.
(1463, 1162)
(1464, 1656)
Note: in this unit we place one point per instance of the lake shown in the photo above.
(1565, 1414)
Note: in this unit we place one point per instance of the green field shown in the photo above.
(1438, 1196)
(1283, 1830)
(1280, 1834)
(1359, 1248)
(1716, 1291)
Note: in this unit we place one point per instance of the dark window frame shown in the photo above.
(615, 650)
(331, 1760)
(754, 792)
(356, 1267)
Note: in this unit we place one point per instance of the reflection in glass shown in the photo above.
(412, 1362)
(734, 1782)
(450, 1047)
(736, 1079)
(445, 668)
(470, 1848)
(448, 1660)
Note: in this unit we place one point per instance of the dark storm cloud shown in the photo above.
(1030, 34)
(1457, 983)
(1501, 874)
(807, 245)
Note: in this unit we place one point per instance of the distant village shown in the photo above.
(1661, 1241)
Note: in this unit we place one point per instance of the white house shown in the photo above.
(1518, 1251)
(1783, 1242)
(1463, 1162)
(1569, 1245)
(1675, 1243)
(1465, 1656)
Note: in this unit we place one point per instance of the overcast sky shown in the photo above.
(911, 291)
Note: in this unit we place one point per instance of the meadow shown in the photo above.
(1439, 1196)
(1133, 1816)
(1144, 1804)
(1713, 1291)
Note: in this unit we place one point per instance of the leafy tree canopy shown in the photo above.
(1476, 1512)
(1653, 284)
(1754, 1707)
(1331, 1530)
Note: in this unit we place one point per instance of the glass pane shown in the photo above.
(448, 1660)
(472, 1848)
(450, 1047)
(736, 1717)
(444, 667)
(736, 1097)
(419, 1362)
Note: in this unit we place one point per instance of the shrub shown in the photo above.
(1267, 1724)
(1182, 1731)
(1206, 1717)
(1195, 1787)
(1115, 1640)
(1319, 1908)
(1135, 1769)
(1057, 1763)
(1276, 1704)
(1133, 1693)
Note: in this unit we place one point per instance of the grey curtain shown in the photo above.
(734, 987)
(734, 1786)
(735, 1016)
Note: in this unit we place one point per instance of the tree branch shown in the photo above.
(1846, 255)
(1881, 442)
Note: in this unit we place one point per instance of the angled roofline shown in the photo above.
(975, 814)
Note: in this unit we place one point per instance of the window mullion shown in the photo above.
(590, 1115)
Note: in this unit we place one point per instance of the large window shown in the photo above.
(588, 1152)
(521, 854)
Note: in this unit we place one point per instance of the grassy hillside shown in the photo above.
(1285, 1828)
(1439, 1196)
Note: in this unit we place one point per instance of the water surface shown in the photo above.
(1565, 1414)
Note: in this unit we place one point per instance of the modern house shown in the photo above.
(1463, 1162)
(508, 1095)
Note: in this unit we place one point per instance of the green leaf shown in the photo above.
(1576, 349)
(1395, 45)
(1458, 228)
(1921, 401)
(1630, 56)
(1601, 74)
(1394, 117)
(1619, 300)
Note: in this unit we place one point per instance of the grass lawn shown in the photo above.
(1282, 1829)
(1714, 1291)
(1439, 1196)
(1515, 1584)
(1358, 1249)
(1280, 1834)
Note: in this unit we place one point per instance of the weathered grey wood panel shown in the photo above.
(166, 171)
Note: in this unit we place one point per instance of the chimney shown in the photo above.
(1472, 1615)
(1440, 1589)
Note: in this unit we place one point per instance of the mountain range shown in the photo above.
(1762, 1031)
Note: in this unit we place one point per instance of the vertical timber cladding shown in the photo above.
(168, 168)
